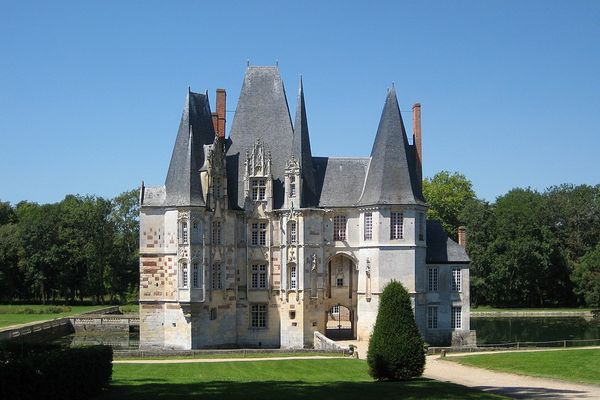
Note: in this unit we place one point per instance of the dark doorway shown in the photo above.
(339, 323)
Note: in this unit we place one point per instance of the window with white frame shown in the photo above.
(216, 277)
(421, 226)
(184, 232)
(396, 225)
(456, 317)
(368, 226)
(339, 227)
(259, 234)
(258, 316)
(432, 317)
(335, 309)
(293, 277)
(258, 278)
(183, 282)
(259, 188)
(292, 186)
(216, 232)
(456, 280)
(292, 233)
(433, 275)
(196, 277)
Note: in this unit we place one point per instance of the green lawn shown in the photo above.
(345, 379)
(234, 354)
(13, 314)
(581, 365)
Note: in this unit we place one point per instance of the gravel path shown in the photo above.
(511, 385)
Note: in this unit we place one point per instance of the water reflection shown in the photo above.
(118, 341)
(500, 330)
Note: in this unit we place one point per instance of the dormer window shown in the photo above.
(259, 189)
(292, 186)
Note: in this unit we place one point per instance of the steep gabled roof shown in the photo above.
(301, 151)
(441, 249)
(183, 187)
(392, 174)
(262, 112)
(340, 180)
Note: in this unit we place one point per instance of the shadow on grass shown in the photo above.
(266, 390)
(535, 392)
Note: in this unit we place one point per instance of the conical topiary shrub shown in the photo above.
(396, 348)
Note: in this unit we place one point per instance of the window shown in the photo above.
(258, 316)
(456, 280)
(433, 279)
(293, 277)
(259, 189)
(184, 232)
(259, 234)
(216, 281)
(432, 317)
(195, 232)
(258, 279)
(339, 227)
(196, 276)
(216, 232)
(292, 186)
(368, 226)
(456, 317)
(421, 226)
(396, 225)
(339, 282)
(335, 309)
(292, 233)
(184, 275)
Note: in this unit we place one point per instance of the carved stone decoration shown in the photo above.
(181, 215)
(182, 252)
(313, 262)
(258, 161)
(368, 267)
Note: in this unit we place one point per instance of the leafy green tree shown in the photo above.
(7, 213)
(586, 276)
(448, 194)
(10, 276)
(396, 347)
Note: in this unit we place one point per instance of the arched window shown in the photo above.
(183, 280)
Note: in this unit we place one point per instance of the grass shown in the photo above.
(345, 379)
(234, 354)
(560, 309)
(581, 365)
(22, 314)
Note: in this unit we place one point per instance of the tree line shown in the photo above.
(527, 248)
(81, 248)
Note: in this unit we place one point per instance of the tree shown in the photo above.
(10, 276)
(396, 347)
(7, 214)
(586, 277)
(448, 194)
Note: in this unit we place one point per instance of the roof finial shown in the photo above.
(277, 62)
(189, 89)
(248, 62)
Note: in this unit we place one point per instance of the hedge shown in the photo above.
(46, 372)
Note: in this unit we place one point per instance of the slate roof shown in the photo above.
(441, 249)
(392, 177)
(154, 196)
(301, 151)
(182, 186)
(262, 112)
(340, 180)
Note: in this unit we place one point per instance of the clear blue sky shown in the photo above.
(91, 92)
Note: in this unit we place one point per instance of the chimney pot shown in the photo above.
(417, 139)
(221, 110)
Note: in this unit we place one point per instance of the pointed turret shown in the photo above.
(391, 178)
(301, 151)
(183, 187)
(261, 113)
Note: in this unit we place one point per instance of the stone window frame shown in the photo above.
(368, 226)
(292, 186)
(196, 275)
(456, 279)
(432, 317)
(456, 317)
(259, 276)
(396, 225)
(258, 189)
(340, 226)
(195, 231)
(183, 274)
(216, 232)
(258, 233)
(433, 279)
(216, 276)
(258, 316)
(184, 232)
(292, 230)
(293, 268)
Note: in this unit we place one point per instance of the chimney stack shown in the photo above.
(417, 139)
(221, 109)
(462, 236)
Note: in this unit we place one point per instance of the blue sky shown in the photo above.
(91, 92)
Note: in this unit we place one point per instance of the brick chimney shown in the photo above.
(462, 236)
(417, 139)
(221, 109)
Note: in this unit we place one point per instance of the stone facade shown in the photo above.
(249, 244)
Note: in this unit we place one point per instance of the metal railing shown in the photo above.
(525, 345)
